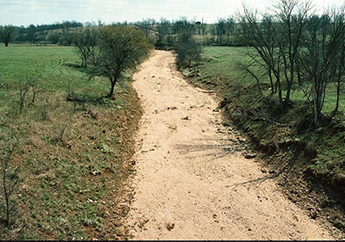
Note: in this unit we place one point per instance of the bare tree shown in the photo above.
(203, 26)
(292, 18)
(164, 33)
(54, 37)
(120, 48)
(10, 177)
(339, 76)
(230, 28)
(277, 40)
(147, 25)
(262, 37)
(7, 33)
(184, 25)
(323, 58)
(24, 86)
(221, 30)
(294, 44)
(187, 50)
(86, 42)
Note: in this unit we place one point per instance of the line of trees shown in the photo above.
(167, 32)
(7, 33)
(295, 47)
(163, 32)
(86, 41)
(57, 33)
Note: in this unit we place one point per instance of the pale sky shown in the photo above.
(26, 12)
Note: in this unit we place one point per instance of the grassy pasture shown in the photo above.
(221, 64)
(219, 70)
(51, 67)
(73, 155)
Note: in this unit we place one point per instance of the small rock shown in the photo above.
(170, 226)
(249, 155)
(240, 139)
(96, 173)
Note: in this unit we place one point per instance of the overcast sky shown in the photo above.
(26, 12)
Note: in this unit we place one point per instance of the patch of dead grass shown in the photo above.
(70, 187)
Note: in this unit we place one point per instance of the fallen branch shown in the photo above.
(265, 118)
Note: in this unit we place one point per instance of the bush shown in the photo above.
(187, 50)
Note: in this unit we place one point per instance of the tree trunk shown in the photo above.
(111, 93)
(4, 183)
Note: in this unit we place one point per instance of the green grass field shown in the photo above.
(71, 154)
(221, 63)
(49, 67)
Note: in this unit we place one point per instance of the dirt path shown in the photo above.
(192, 181)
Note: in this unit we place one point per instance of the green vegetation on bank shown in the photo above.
(67, 146)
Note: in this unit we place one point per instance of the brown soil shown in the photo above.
(197, 178)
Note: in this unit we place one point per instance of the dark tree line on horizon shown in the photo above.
(164, 30)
